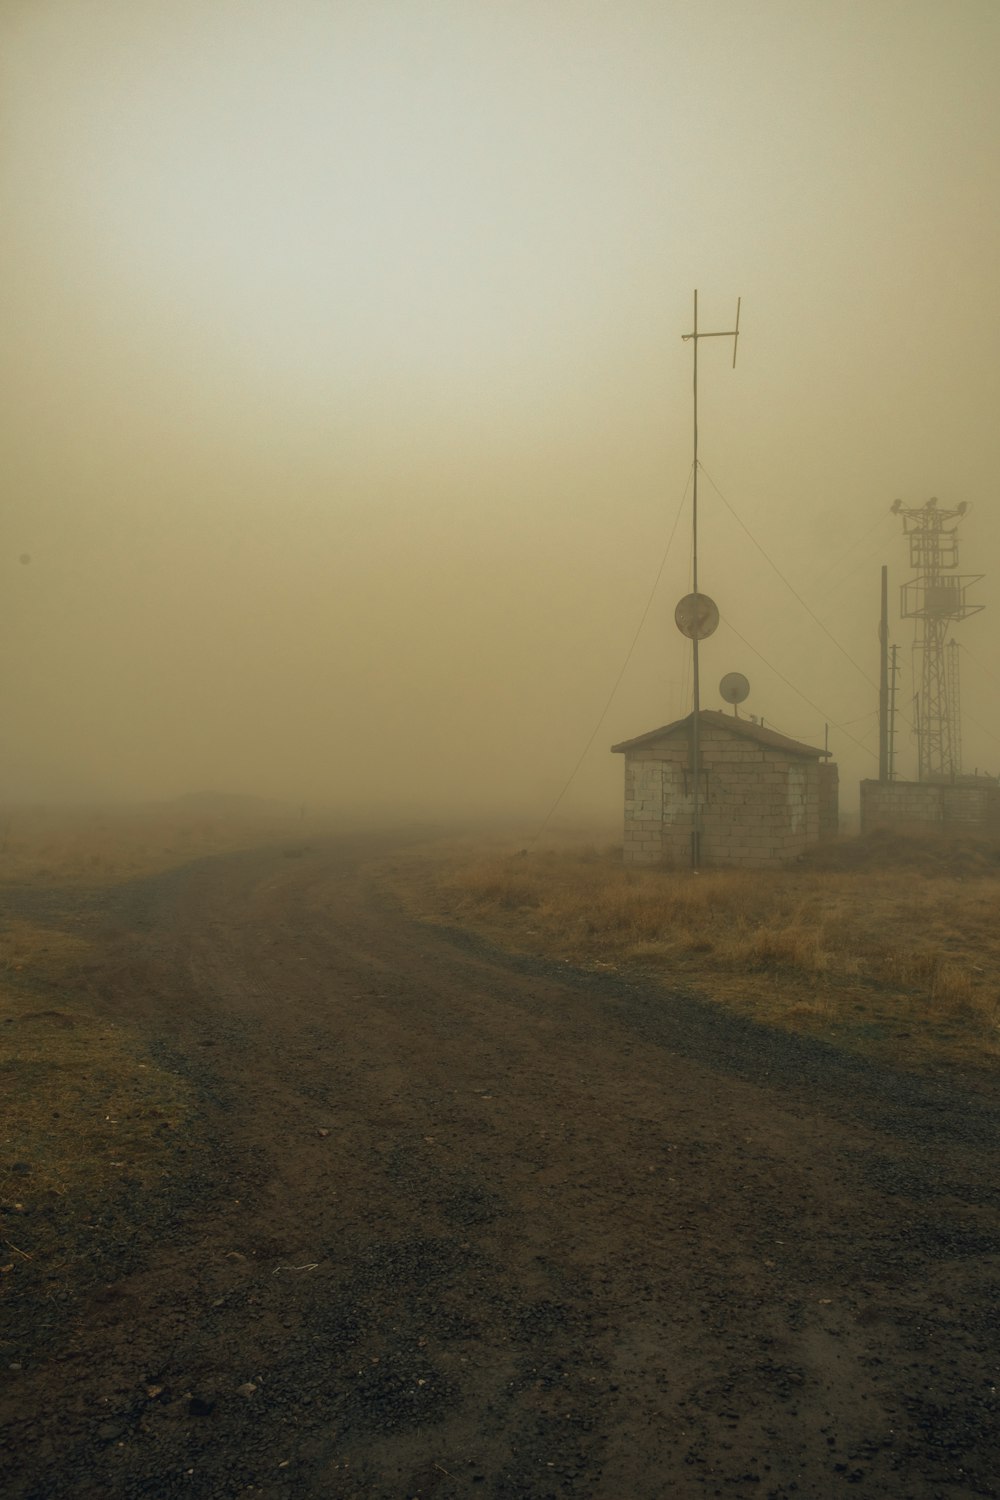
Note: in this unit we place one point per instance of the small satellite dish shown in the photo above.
(734, 687)
(697, 616)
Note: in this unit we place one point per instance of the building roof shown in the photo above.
(714, 718)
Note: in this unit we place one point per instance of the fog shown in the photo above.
(346, 413)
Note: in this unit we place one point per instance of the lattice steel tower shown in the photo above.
(935, 598)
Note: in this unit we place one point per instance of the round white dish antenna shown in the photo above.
(697, 616)
(734, 687)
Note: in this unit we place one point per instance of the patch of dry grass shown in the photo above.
(88, 1117)
(82, 1103)
(96, 846)
(896, 960)
(87, 1120)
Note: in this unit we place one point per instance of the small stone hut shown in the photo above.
(764, 798)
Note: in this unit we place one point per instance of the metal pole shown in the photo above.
(695, 745)
(883, 681)
(694, 336)
(953, 679)
(892, 716)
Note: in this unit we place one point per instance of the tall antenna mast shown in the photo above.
(697, 611)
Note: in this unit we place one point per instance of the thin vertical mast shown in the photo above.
(695, 740)
(694, 336)
(883, 688)
(893, 671)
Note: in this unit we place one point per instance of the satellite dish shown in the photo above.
(697, 616)
(734, 687)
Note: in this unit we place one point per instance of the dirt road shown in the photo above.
(454, 1224)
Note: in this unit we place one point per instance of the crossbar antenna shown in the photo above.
(694, 336)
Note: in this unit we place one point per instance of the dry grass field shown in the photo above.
(888, 945)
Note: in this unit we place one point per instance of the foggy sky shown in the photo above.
(345, 411)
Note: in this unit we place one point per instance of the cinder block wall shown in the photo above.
(759, 806)
(929, 807)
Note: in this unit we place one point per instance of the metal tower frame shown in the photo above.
(935, 599)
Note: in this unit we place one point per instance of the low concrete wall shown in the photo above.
(929, 807)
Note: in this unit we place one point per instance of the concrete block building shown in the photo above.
(764, 797)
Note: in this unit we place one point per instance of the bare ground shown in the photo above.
(443, 1221)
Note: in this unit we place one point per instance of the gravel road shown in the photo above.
(456, 1224)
